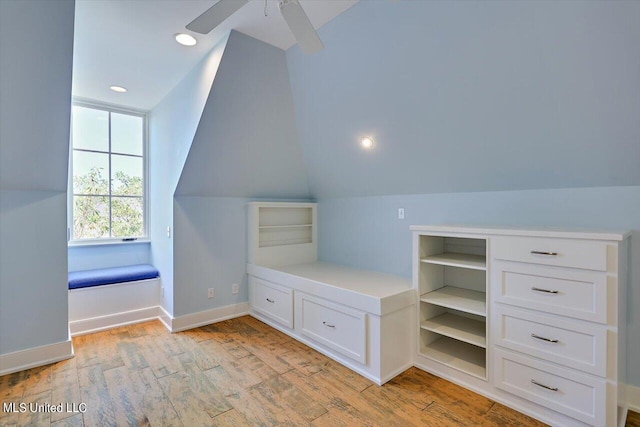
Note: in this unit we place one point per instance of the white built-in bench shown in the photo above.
(105, 298)
(359, 318)
(362, 319)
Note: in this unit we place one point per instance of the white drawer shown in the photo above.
(562, 341)
(577, 395)
(333, 325)
(576, 293)
(559, 252)
(274, 301)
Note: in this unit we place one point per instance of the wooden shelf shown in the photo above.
(267, 227)
(458, 355)
(283, 242)
(460, 299)
(473, 262)
(461, 328)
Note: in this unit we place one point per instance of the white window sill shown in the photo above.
(111, 242)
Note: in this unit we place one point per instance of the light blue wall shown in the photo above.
(245, 146)
(172, 126)
(365, 232)
(33, 269)
(36, 43)
(210, 252)
(105, 256)
(246, 143)
(36, 59)
(471, 96)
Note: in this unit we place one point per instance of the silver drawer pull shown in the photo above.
(548, 291)
(544, 253)
(270, 300)
(538, 337)
(328, 325)
(543, 386)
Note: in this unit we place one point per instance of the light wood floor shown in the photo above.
(237, 372)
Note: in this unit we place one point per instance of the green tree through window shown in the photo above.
(108, 174)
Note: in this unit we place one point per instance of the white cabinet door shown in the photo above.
(580, 294)
(272, 300)
(577, 395)
(340, 328)
(560, 252)
(574, 344)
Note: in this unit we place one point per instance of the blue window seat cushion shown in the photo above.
(109, 276)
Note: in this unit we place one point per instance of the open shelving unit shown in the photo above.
(452, 259)
(461, 328)
(282, 233)
(452, 285)
(465, 300)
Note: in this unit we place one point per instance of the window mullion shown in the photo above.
(110, 180)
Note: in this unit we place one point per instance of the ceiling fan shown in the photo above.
(291, 11)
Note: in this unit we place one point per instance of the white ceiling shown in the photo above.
(130, 43)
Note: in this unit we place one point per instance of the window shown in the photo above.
(108, 174)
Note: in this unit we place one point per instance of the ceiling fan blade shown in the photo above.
(300, 26)
(214, 16)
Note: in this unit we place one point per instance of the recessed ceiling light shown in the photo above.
(118, 89)
(367, 142)
(186, 39)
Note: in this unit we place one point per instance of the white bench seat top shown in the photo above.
(370, 291)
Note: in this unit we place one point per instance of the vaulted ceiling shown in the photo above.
(131, 44)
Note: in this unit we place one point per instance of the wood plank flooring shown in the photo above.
(233, 373)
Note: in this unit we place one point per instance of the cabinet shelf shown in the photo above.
(461, 328)
(267, 227)
(473, 262)
(283, 242)
(460, 299)
(282, 233)
(458, 355)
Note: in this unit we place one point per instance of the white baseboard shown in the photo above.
(173, 324)
(633, 398)
(165, 318)
(206, 317)
(101, 323)
(33, 357)
(44, 355)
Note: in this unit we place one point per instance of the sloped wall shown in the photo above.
(172, 126)
(36, 44)
(471, 96)
(246, 143)
(245, 147)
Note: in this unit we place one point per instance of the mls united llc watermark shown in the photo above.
(33, 407)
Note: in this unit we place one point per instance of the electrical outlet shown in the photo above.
(234, 288)
(162, 292)
(400, 213)
(169, 232)
(211, 293)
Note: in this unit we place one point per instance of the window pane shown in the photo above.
(90, 173)
(90, 217)
(126, 134)
(90, 129)
(127, 176)
(127, 216)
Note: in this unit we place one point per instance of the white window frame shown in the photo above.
(145, 161)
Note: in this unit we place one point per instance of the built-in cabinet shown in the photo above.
(361, 319)
(533, 318)
(282, 233)
(452, 286)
